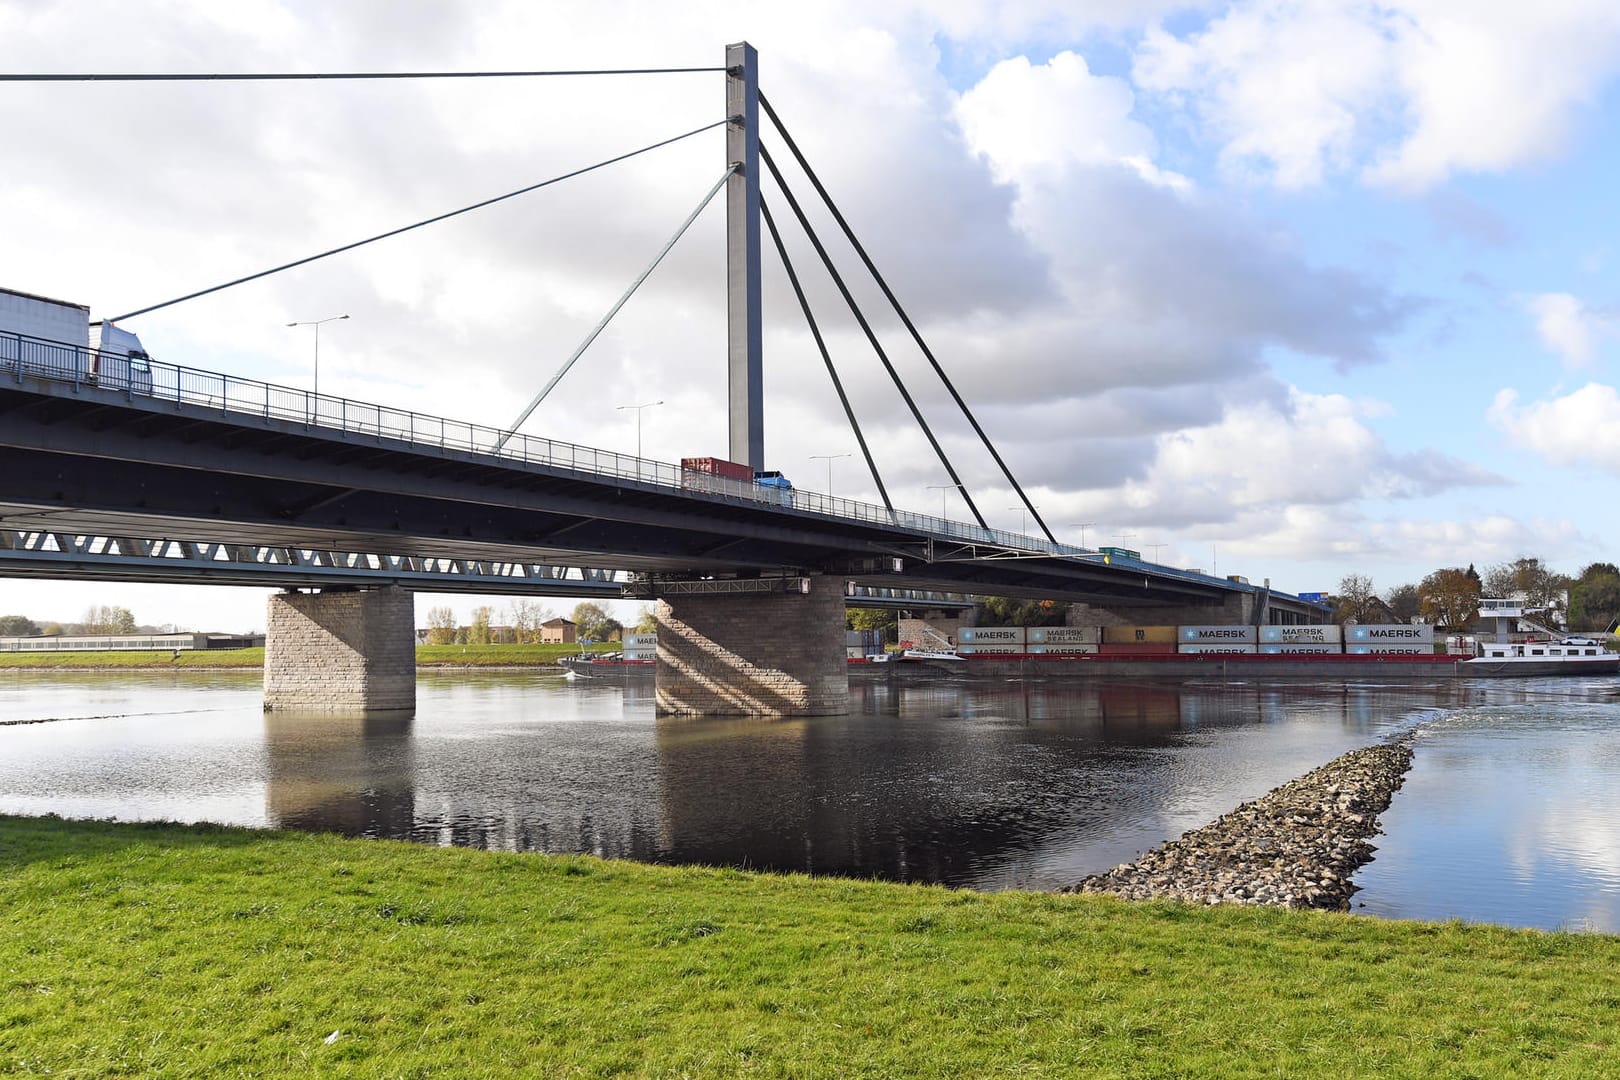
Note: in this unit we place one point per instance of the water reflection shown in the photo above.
(982, 784)
(350, 774)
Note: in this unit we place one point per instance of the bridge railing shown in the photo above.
(195, 388)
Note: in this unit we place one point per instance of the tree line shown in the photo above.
(1450, 596)
(523, 620)
(98, 619)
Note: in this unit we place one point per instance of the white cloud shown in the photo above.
(1568, 327)
(1406, 92)
(1580, 428)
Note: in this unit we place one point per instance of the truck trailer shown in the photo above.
(56, 338)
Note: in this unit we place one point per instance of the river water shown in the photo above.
(1509, 814)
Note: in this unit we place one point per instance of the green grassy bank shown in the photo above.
(130, 950)
(426, 656)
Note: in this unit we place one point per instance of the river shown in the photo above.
(1508, 814)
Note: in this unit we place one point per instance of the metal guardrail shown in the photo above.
(229, 395)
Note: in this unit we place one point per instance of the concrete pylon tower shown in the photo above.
(744, 340)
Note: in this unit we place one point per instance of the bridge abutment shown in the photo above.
(340, 651)
(753, 654)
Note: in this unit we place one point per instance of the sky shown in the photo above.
(1292, 290)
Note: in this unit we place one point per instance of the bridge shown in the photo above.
(172, 472)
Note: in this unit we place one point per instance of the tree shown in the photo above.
(441, 626)
(17, 626)
(108, 619)
(1009, 611)
(1449, 598)
(526, 617)
(478, 632)
(1406, 601)
(1594, 598)
(591, 622)
(646, 620)
(1527, 577)
(867, 618)
(1354, 599)
(52, 630)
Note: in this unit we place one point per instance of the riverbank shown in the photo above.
(1296, 846)
(167, 950)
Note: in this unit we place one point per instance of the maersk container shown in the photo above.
(1139, 635)
(1235, 648)
(1216, 635)
(1016, 649)
(1389, 649)
(993, 635)
(1391, 634)
(1064, 635)
(1295, 647)
(1071, 648)
(1316, 634)
(635, 641)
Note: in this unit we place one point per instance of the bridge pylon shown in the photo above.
(745, 341)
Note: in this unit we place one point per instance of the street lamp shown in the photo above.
(829, 459)
(942, 489)
(317, 324)
(1082, 526)
(638, 408)
(1023, 518)
(1156, 549)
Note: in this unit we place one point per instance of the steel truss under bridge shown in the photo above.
(77, 556)
(120, 558)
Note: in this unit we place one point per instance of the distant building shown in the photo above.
(558, 631)
(129, 642)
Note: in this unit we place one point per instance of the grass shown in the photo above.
(144, 950)
(426, 656)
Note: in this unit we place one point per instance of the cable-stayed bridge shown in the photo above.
(148, 470)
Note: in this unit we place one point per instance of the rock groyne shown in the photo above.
(1295, 846)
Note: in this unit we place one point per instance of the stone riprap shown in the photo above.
(1294, 847)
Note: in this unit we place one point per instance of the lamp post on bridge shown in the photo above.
(317, 324)
(638, 408)
(1156, 549)
(829, 459)
(942, 489)
(1082, 526)
(1023, 518)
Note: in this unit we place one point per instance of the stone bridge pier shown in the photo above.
(340, 650)
(761, 653)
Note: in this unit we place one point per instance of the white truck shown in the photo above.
(57, 339)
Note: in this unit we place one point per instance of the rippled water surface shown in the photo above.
(980, 784)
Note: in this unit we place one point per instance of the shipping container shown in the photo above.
(1121, 553)
(1139, 635)
(1295, 647)
(1213, 649)
(717, 467)
(1216, 635)
(992, 650)
(634, 641)
(854, 652)
(1157, 648)
(1392, 634)
(1321, 634)
(993, 635)
(1072, 648)
(1064, 635)
(1389, 649)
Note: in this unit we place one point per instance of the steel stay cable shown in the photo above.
(420, 224)
(904, 318)
(614, 310)
(826, 357)
(871, 337)
(314, 76)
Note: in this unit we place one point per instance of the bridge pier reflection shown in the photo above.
(778, 653)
